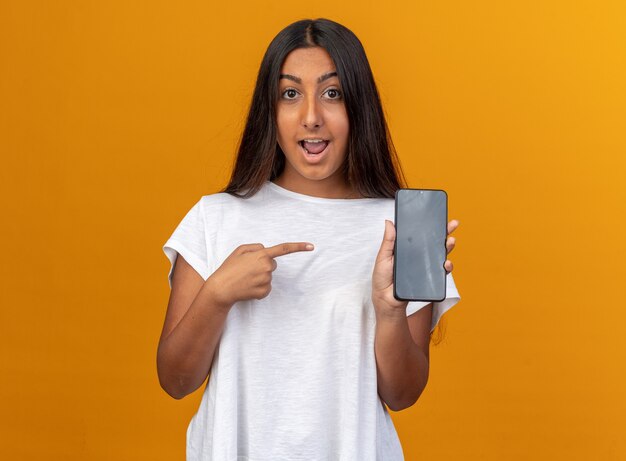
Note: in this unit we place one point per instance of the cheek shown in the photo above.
(342, 132)
(284, 124)
(341, 125)
(343, 136)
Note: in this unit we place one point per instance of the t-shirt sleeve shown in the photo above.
(189, 240)
(439, 308)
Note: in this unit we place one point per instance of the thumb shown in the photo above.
(386, 247)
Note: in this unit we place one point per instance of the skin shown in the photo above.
(197, 309)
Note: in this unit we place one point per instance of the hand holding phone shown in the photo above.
(421, 217)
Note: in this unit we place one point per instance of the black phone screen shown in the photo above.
(421, 221)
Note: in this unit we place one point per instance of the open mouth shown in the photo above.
(313, 147)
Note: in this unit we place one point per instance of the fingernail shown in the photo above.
(309, 246)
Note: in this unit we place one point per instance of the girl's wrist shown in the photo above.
(386, 311)
(215, 294)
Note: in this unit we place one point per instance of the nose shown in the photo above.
(311, 113)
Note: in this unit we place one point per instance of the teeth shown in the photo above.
(313, 140)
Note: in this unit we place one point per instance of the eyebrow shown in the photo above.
(299, 80)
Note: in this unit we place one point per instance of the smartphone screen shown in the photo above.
(420, 248)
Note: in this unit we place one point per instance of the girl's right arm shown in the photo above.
(193, 325)
(197, 311)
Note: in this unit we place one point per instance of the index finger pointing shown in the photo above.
(286, 248)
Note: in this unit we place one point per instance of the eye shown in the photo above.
(289, 93)
(333, 93)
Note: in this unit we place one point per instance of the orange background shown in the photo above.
(115, 117)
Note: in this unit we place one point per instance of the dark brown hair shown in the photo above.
(371, 165)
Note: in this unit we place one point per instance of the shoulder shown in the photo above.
(216, 198)
(217, 201)
(222, 205)
(379, 208)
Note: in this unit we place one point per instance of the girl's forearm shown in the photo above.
(185, 356)
(402, 368)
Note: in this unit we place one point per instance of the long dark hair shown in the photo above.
(371, 165)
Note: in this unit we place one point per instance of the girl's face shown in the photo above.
(312, 123)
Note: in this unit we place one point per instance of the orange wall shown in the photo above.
(115, 117)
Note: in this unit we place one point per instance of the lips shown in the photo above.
(313, 147)
(312, 158)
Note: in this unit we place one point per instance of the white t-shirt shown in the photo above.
(294, 375)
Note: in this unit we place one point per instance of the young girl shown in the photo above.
(281, 284)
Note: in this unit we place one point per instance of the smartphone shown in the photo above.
(421, 219)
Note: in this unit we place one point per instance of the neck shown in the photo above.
(323, 188)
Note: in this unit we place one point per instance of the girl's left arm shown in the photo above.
(401, 344)
(401, 364)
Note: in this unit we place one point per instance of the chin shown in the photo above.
(314, 172)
